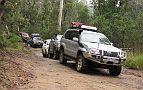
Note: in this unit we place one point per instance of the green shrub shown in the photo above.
(13, 38)
(14, 41)
(135, 61)
(3, 42)
(10, 41)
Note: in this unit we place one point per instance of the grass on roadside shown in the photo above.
(12, 42)
(135, 61)
(20, 47)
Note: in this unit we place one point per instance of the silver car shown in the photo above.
(89, 48)
(36, 42)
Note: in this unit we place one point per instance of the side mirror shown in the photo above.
(75, 39)
(111, 44)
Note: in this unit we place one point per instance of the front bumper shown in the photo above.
(38, 44)
(57, 47)
(105, 60)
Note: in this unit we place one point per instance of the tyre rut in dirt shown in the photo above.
(81, 64)
(61, 58)
(115, 71)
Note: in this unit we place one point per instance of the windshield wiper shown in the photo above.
(93, 42)
(107, 43)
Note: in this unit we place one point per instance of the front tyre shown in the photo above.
(46, 54)
(62, 58)
(34, 46)
(115, 71)
(55, 55)
(43, 53)
(81, 64)
(49, 54)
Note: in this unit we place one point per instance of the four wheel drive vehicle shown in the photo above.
(24, 35)
(89, 48)
(54, 46)
(35, 35)
(36, 42)
(45, 47)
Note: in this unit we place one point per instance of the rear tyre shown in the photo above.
(43, 53)
(62, 58)
(46, 54)
(49, 55)
(81, 64)
(55, 55)
(115, 71)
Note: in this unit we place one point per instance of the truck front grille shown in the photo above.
(110, 54)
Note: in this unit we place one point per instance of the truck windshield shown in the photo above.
(94, 37)
(59, 37)
(37, 38)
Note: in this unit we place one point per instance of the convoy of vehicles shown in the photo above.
(87, 47)
(82, 44)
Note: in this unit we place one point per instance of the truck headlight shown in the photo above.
(94, 51)
(123, 55)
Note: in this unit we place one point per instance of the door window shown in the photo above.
(70, 34)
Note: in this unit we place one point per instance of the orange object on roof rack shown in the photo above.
(82, 26)
(76, 24)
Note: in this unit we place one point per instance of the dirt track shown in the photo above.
(50, 75)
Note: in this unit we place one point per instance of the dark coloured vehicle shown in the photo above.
(54, 46)
(36, 42)
(35, 35)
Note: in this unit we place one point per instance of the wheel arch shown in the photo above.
(80, 51)
(61, 47)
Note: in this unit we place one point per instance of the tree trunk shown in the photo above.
(2, 2)
(60, 15)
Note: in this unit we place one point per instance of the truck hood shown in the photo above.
(102, 47)
(38, 41)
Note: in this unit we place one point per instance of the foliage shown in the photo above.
(3, 42)
(135, 61)
(14, 38)
(10, 41)
(122, 24)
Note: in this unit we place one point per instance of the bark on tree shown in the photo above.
(7, 30)
(2, 2)
(60, 14)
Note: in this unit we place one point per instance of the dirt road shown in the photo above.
(50, 75)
